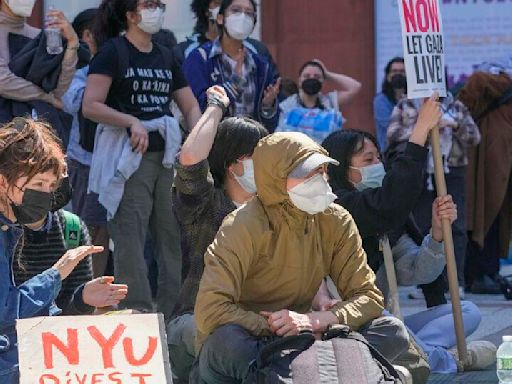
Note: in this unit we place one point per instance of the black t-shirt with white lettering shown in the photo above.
(145, 89)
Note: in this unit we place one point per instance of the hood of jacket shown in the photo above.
(274, 158)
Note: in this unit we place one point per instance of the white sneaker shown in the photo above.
(481, 354)
(417, 294)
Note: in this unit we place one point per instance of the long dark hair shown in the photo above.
(342, 145)
(236, 137)
(111, 19)
(200, 10)
(387, 89)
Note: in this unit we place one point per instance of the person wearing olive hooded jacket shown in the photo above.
(270, 257)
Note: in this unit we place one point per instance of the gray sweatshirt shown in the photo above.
(15, 88)
(414, 264)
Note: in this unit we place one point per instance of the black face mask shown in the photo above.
(62, 195)
(34, 207)
(399, 81)
(311, 86)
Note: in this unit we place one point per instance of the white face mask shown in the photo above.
(313, 195)
(239, 26)
(213, 13)
(247, 181)
(22, 8)
(152, 20)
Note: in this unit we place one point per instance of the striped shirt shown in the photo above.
(40, 250)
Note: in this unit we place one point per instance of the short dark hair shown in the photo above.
(311, 63)
(111, 19)
(342, 145)
(226, 3)
(387, 89)
(236, 137)
(84, 20)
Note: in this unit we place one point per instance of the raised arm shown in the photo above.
(347, 87)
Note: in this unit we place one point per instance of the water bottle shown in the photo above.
(53, 40)
(504, 361)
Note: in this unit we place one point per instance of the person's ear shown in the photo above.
(133, 17)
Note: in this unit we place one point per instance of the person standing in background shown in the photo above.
(394, 87)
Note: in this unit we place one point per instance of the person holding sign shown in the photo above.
(31, 166)
(312, 112)
(458, 133)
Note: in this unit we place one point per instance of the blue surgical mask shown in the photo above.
(247, 181)
(371, 176)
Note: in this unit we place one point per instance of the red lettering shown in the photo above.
(70, 351)
(107, 345)
(95, 379)
(141, 377)
(434, 15)
(115, 380)
(128, 351)
(422, 17)
(81, 380)
(409, 17)
(42, 379)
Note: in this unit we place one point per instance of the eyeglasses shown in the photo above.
(151, 4)
(238, 10)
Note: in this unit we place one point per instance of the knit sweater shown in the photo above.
(40, 250)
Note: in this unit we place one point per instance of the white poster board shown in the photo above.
(422, 40)
(121, 349)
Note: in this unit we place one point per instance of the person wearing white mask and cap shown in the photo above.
(13, 14)
(214, 176)
(248, 77)
(130, 85)
(269, 259)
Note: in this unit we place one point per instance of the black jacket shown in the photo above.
(386, 210)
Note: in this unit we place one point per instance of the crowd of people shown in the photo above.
(231, 200)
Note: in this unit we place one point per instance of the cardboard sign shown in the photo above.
(422, 39)
(124, 349)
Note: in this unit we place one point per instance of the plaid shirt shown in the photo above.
(243, 86)
(466, 134)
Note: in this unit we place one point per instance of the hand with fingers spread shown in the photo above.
(101, 292)
(71, 258)
(442, 208)
(139, 138)
(271, 93)
(57, 20)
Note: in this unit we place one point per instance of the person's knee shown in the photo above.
(396, 332)
(471, 315)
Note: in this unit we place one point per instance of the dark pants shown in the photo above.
(455, 184)
(482, 262)
(228, 352)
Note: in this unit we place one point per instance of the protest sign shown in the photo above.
(124, 349)
(422, 39)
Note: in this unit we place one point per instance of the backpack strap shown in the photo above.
(72, 229)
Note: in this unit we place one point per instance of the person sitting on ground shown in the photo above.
(297, 110)
(31, 166)
(13, 14)
(248, 77)
(214, 176)
(458, 133)
(394, 87)
(270, 257)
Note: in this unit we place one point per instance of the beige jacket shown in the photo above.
(15, 88)
(268, 255)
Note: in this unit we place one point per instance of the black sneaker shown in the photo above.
(485, 286)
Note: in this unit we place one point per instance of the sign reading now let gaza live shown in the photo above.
(121, 349)
(422, 38)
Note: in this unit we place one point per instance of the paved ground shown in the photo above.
(496, 322)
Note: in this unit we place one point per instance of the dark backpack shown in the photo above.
(87, 127)
(342, 356)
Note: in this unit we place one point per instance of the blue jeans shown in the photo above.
(228, 352)
(435, 333)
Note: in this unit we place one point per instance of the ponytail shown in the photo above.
(111, 19)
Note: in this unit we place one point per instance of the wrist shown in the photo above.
(437, 234)
(320, 321)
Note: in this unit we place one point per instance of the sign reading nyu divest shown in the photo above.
(422, 38)
(123, 349)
